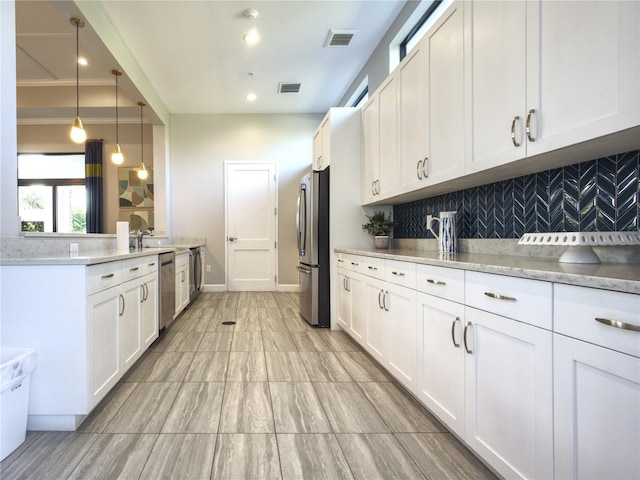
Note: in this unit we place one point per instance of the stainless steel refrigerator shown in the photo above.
(312, 225)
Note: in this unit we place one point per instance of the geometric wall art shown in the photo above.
(138, 219)
(134, 192)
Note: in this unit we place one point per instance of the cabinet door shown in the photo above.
(413, 133)
(326, 143)
(597, 411)
(400, 305)
(509, 394)
(371, 149)
(584, 85)
(376, 332)
(498, 84)
(130, 335)
(317, 149)
(344, 300)
(357, 322)
(388, 135)
(445, 90)
(149, 310)
(440, 379)
(104, 367)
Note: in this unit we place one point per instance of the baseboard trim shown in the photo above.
(288, 288)
(214, 288)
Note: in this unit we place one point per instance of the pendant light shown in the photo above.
(78, 134)
(142, 170)
(116, 156)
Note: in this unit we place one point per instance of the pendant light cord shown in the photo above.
(77, 69)
(141, 137)
(117, 139)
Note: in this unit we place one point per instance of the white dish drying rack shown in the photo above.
(580, 244)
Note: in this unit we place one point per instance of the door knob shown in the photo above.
(233, 239)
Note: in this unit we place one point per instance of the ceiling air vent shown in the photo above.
(339, 38)
(289, 87)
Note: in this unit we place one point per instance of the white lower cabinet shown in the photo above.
(182, 282)
(440, 353)
(350, 304)
(103, 335)
(509, 394)
(130, 335)
(400, 307)
(376, 330)
(149, 315)
(344, 299)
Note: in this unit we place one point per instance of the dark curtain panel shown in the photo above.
(93, 182)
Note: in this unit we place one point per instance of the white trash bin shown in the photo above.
(16, 365)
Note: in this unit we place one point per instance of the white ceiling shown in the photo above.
(193, 54)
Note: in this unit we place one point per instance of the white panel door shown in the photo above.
(251, 226)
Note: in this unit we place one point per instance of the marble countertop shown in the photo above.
(609, 276)
(87, 258)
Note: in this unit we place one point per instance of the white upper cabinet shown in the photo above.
(380, 127)
(432, 140)
(548, 75)
(322, 145)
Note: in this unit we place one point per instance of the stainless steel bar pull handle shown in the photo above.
(384, 301)
(497, 296)
(372, 268)
(464, 338)
(121, 300)
(528, 125)
(618, 324)
(355, 264)
(399, 274)
(142, 293)
(425, 171)
(435, 282)
(513, 131)
(373, 187)
(380, 299)
(419, 169)
(134, 269)
(453, 332)
(104, 277)
(348, 284)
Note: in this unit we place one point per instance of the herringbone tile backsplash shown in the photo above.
(598, 195)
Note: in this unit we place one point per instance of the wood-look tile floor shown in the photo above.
(268, 397)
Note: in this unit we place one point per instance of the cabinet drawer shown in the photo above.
(373, 267)
(528, 301)
(103, 276)
(441, 282)
(575, 310)
(182, 259)
(351, 263)
(135, 267)
(401, 273)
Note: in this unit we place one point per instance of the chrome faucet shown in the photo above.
(140, 235)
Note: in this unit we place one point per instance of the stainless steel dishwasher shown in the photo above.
(167, 288)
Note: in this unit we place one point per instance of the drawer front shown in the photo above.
(182, 259)
(135, 267)
(103, 276)
(401, 273)
(604, 318)
(373, 267)
(441, 282)
(152, 263)
(529, 301)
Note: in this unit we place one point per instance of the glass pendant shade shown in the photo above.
(142, 172)
(116, 156)
(78, 135)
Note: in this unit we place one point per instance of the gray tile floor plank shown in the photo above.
(142, 366)
(169, 367)
(183, 341)
(324, 367)
(98, 420)
(278, 342)
(295, 323)
(309, 341)
(183, 456)
(208, 367)
(246, 456)
(296, 408)
(285, 367)
(118, 455)
(146, 408)
(247, 321)
(199, 323)
(52, 455)
(362, 368)
(247, 367)
(196, 408)
(339, 341)
(216, 341)
(246, 408)
(378, 457)
(313, 456)
(246, 342)
(440, 455)
(399, 411)
(347, 408)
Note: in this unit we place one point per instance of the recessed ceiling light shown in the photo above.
(251, 37)
(250, 13)
(251, 97)
(83, 61)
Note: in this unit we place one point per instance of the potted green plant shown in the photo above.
(380, 227)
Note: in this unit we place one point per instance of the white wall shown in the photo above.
(199, 146)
